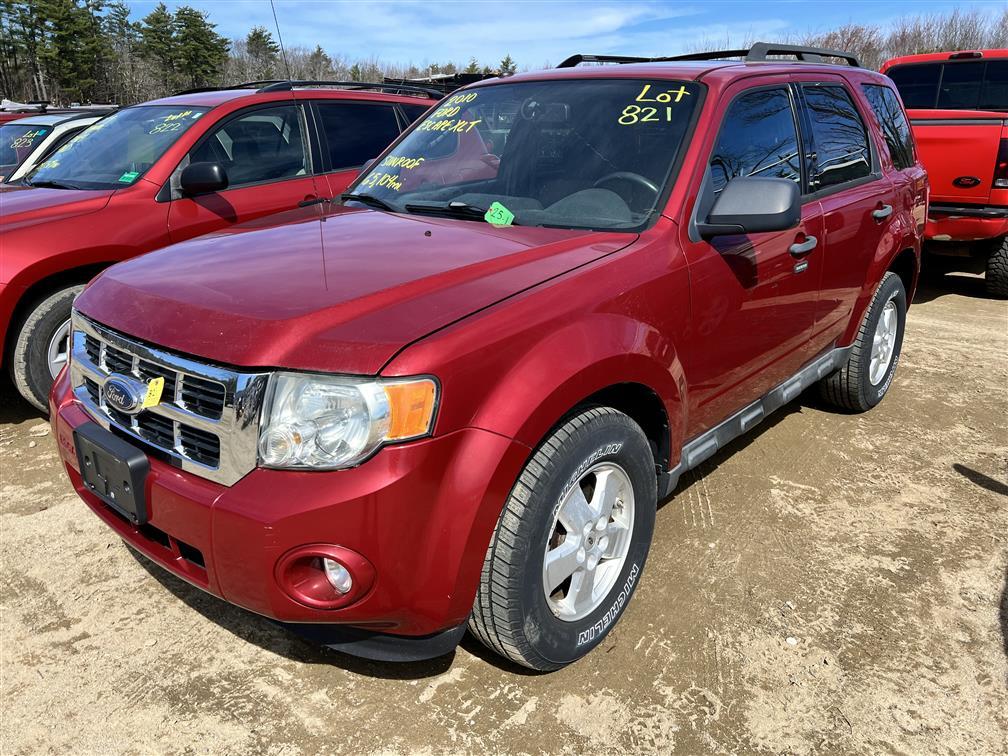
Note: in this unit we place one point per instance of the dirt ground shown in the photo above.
(832, 583)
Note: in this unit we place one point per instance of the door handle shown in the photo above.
(882, 213)
(803, 248)
(311, 200)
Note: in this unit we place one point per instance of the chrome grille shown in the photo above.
(208, 417)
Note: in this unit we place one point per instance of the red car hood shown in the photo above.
(22, 205)
(340, 294)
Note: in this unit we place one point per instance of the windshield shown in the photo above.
(117, 150)
(590, 153)
(17, 142)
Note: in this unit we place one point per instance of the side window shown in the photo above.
(356, 132)
(266, 144)
(757, 138)
(413, 112)
(840, 140)
(894, 124)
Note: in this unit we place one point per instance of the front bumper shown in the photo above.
(422, 513)
(965, 223)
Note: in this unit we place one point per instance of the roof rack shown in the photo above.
(575, 60)
(758, 52)
(281, 86)
(243, 85)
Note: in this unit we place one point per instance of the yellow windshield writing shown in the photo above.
(634, 114)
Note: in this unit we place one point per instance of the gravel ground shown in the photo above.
(831, 583)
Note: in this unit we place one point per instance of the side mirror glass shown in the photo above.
(203, 178)
(751, 206)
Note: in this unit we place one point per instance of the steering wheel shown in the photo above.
(628, 176)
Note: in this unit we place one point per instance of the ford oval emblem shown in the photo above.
(124, 394)
(966, 182)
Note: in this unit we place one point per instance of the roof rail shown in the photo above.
(758, 52)
(574, 60)
(243, 85)
(281, 86)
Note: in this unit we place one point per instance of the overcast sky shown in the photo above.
(535, 32)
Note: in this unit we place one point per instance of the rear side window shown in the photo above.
(956, 85)
(894, 124)
(757, 138)
(356, 132)
(840, 141)
(414, 111)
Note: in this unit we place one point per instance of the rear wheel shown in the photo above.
(997, 269)
(41, 346)
(866, 376)
(570, 544)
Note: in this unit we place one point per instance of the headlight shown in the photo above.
(328, 422)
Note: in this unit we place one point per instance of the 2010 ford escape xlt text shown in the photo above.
(454, 398)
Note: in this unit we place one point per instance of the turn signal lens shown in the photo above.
(412, 407)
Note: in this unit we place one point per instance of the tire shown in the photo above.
(29, 363)
(852, 387)
(512, 614)
(997, 270)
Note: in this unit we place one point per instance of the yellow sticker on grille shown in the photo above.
(154, 389)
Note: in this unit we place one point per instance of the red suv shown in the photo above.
(958, 104)
(456, 399)
(169, 170)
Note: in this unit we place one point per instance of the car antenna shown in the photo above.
(283, 51)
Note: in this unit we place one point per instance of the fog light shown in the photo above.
(338, 576)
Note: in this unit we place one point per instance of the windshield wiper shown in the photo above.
(50, 184)
(453, 209)
(367, 199)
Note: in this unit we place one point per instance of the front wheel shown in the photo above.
(570, 544)
(41, 346)
(866, 376)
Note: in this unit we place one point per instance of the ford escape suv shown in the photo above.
(454, 398)
(169, 170)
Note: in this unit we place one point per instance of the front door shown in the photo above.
(754, 297)
(265, 153)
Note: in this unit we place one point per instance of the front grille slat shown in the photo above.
(200, 396)
(207, 421)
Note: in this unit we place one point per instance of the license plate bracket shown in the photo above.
(113, 470)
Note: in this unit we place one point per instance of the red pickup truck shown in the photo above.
(455, 398)
(958, 106)
(168, 170)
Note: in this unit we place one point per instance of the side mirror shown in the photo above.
(203, 178)
(753, 205)
(367, 166)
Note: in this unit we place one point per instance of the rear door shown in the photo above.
(265, 152)
(350, 134)
(857, 200)
(754, 299)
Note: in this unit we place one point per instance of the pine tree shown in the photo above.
(263, 52)
(507, 66)
(199, 51)
(473, 67)
(157, 30)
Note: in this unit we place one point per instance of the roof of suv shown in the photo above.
(681, 70)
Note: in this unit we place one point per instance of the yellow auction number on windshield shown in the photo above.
(633, 114)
